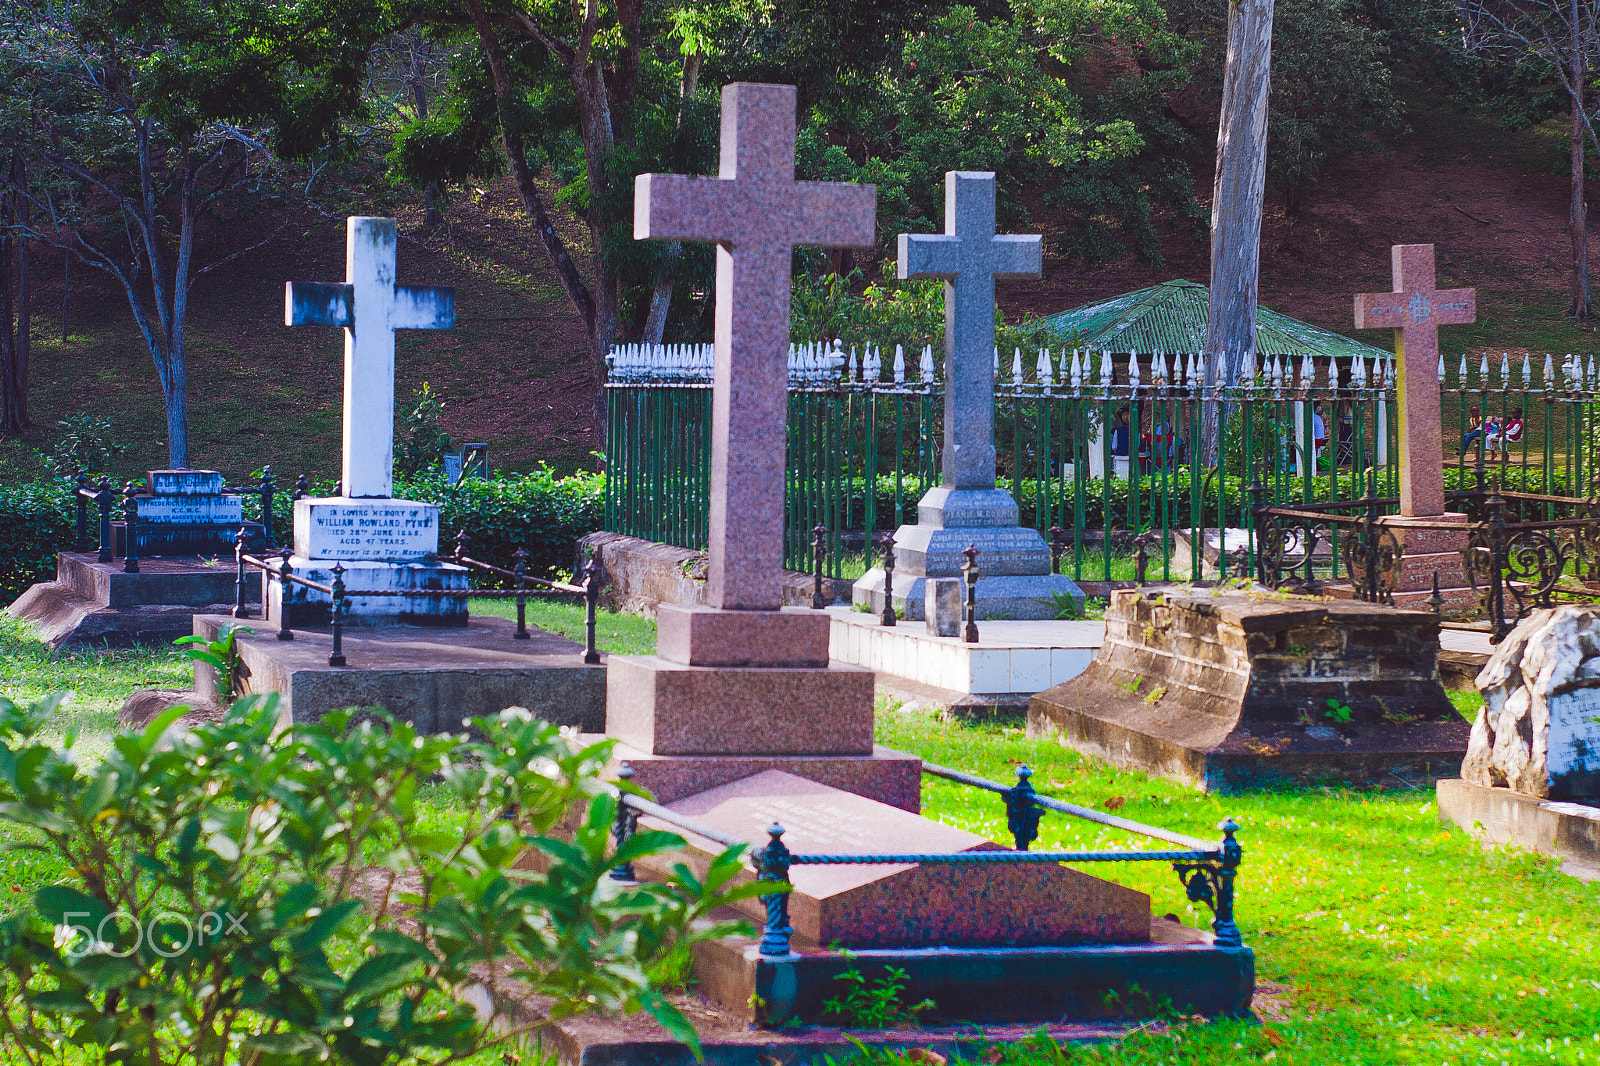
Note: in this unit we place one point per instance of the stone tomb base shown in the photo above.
(1231, 690)
(433, 678)
(91, 602)
(992, 944)
(309, 607)
(1569, 831)
(1010, 657)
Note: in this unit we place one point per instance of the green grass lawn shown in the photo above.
(1380, 936)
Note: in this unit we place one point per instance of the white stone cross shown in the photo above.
(969, 256)
(757, 213)
(370, 307)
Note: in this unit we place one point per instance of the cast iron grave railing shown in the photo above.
(284, 574)
(865, 436)
(1206, 870)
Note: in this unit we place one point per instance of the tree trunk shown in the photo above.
(432, 217)
(24, 343)
(595, 323)
(10, 425)
(1577, 210)
(655, 325)
(1236, 204)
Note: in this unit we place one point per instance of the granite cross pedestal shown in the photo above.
(741, 685)
(1415, 310)
(385, 545)
(966, 508)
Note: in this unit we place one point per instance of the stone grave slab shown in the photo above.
(1226, 689)
(1531, 776)
(91, 602)
(889, 906)
(433, 678)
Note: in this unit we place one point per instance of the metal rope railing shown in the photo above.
(1206, 870)
(282, 570)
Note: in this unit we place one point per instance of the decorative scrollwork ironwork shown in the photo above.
(1199, 880)
(1372, 555)
(1286, 550)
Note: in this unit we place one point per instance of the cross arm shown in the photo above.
(928, 255)
(677, 207)
(318, 303)
(423, 307)
(1455, 306)
(1018, 255)
(1376, 310)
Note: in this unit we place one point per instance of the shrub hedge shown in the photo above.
(539, 512)
(545, 514)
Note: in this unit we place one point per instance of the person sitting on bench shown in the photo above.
(1502, 438)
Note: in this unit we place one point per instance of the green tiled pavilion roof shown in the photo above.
(1171, 317)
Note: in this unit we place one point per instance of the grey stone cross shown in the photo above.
(969, 255)
(370, 307)
(757, 213)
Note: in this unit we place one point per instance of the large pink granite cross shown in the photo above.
(757, 213)
(1416, 310)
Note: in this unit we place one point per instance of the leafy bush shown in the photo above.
(336, 890)
(88, 445)
(34, 525)
(422, 442)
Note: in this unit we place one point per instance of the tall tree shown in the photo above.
(1560, 38)
(16, 330)
(1237, 197)
(145, 119)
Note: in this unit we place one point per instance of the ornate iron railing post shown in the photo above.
(130, 529)
(1222, 925)
(268, 492)
(772, 864)
(1436, 600)
(80, 542)
(819, 555)
(462, 540)
(1498, 561)
(1258, 496)
(969, 570)
(1058, 545)
(888, 617)
(103, 496)
(520, 568)
(1141, 557)
(285, 593)
(1022, 811)
(627, 821)
(239, 608)
(336, 654)
(302, 489)
(591, 609)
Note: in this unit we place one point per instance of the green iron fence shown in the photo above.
(1103, 446)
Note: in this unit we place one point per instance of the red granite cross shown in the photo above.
(757, 213)
(1416, 310)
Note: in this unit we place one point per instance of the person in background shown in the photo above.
(1500, 437)
(1474, 429)
(1119, 434)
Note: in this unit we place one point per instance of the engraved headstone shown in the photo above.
(966, 508)
(1538, 732)
(186, 513)
(1416, 310)
(387, 544)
